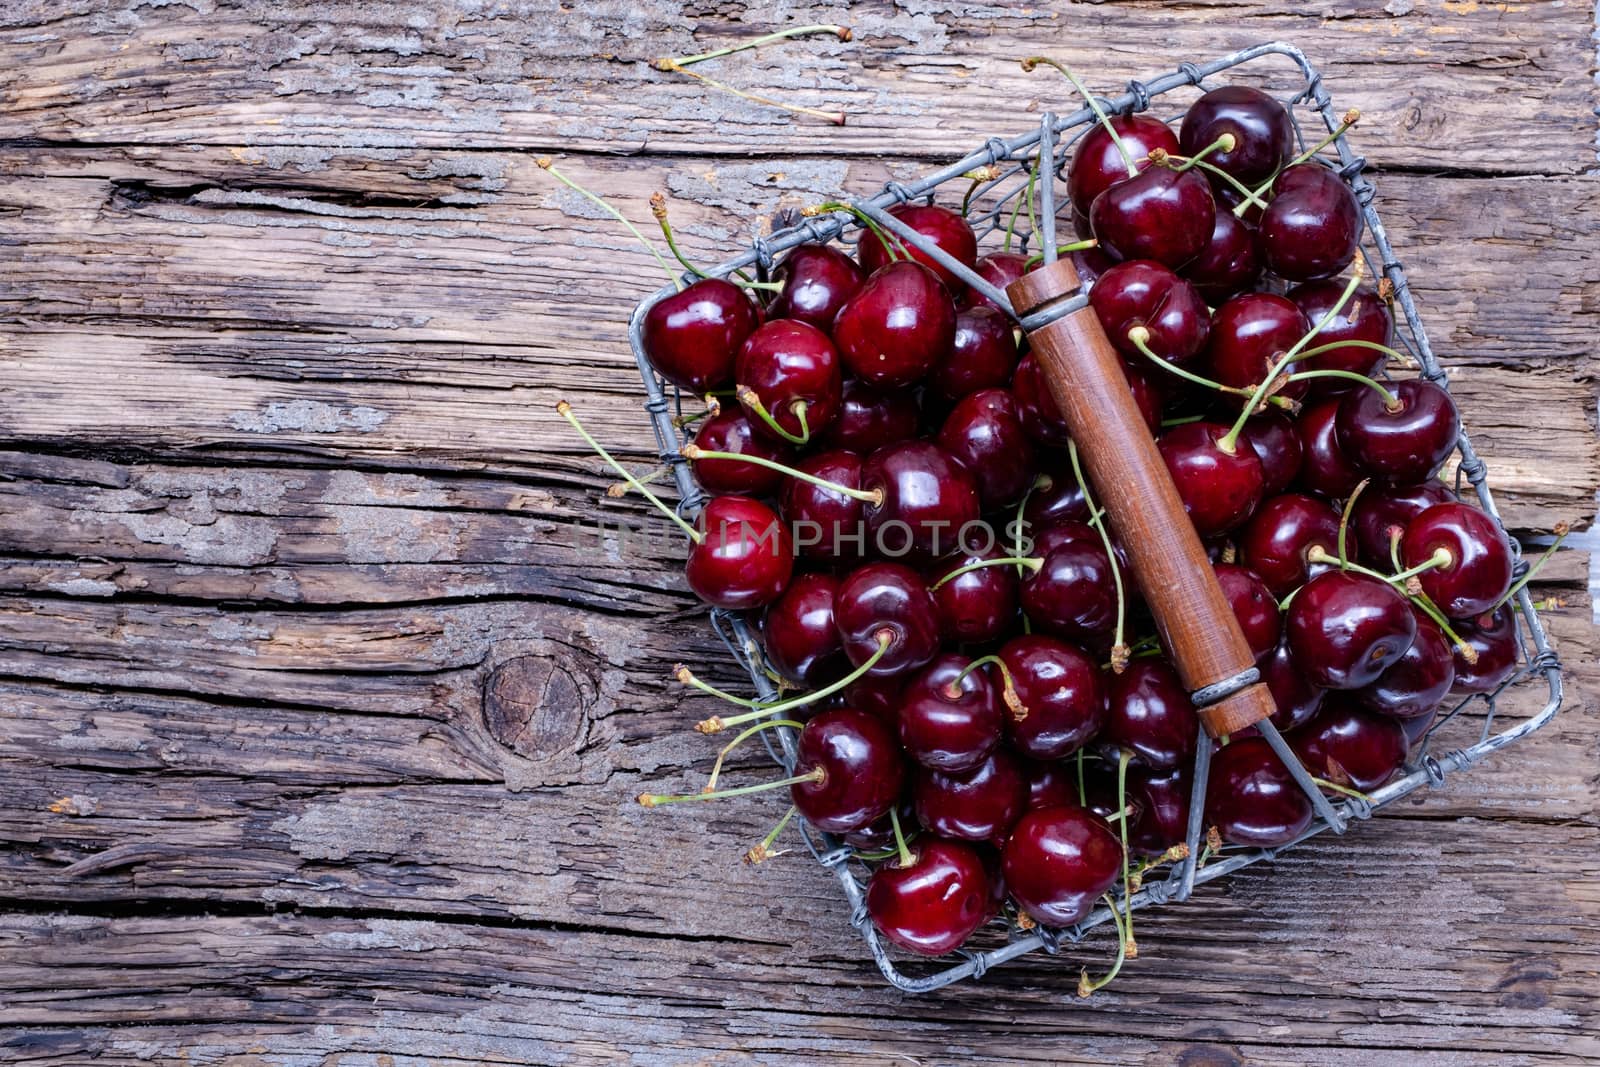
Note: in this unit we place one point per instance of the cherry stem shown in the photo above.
(1119, 648)
(1033, 564)
(680, 421)
(1373, 345)
(891, 242)
(835, 117)
(1441, 558)
(565, 410)
(1240, 187)
(617, 490)
(1350, 118)
(716, 768)
(655, 800)
(1561, 531)
(1225, 143)
(1016, 205)
(1431, 609)
(763, 852)
(906, 858)
(658, 208)
(1391, 402)
(1041, 481)
(1008, 690)
(1139, 337)
(717, 723)
(1341, 789)
(695, 453)
(1062, 250)
(1395, 534)
(978, 176)
(752, 400)
(1344, 521)
(1086, 986)
(547, 164)
(1132, 946)
(1318, 554)
(687, 677)
(1032, 62)
(841, 32)
(1029, 194)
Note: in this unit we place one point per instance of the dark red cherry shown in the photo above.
(1163, 800)
(1061, 500)
(1097, 162)
(825, 524)
(870, 418)
(1253, 605)
(861, 770)
(793, 370)
(1050, 783)
(1404, 444)
(929, 499)
(1061, 697)
(949, 722)
(1283, 531)
(879, 697)
(977, 607)
(1058, 861)
(1345, 629)
(981, 804)
(1297, 699)
(1249, 334)
(744, 558)
(934, 903)
(1100, 788)
(1364, 317)
(1146, 385)
(1272, 436)
(817, 279)
(1381, 508)
(999, 269)
(1251, 797)
(1090, 262)
(1220, 490)
(1312, 226)
(729, 430)
(1416, 729)
(1163, 214)
(1479, 569)
(1037, 408)
(693, 337)
(944, 227)
(1418, 681)
(982, 356)
(898, 326)
(879, 598)
(984, 433)
(1067, 532)
(1150, 715)
(1326, 469)
(1073, 594)
(879, 833)
(1229, 264)
(1262, 133)
(1493, 637)
(1144, 293)
(1350, 747)
(798, 632)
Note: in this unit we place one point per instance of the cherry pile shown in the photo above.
(984, 710)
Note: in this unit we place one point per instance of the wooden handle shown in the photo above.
(1169, 563)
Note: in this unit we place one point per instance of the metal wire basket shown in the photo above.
(989, 207)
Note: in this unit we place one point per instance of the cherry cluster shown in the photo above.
(985, 711)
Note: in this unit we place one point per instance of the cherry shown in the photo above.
(789, 370)
(933, 903)
(728, 430)
(1345, 629)
(870, 418)
(1100, 789)
(1060, 701)
(980, 605)
(1418, 681)
(984, 433)
(1364, 317)
(1163, 800)
(1070, 532)
(1037, 408)
(1477, 571)
(1252, 799)
(899, 325)
(1276, 444)
(1297, 699)
(928, 500)
(1403, 443)
(878, 599)
(999, 269)
(1493, 640)
(1150, 715)
(981, 804)
(1312, 226)
(1144, 293)
(798, 631)
(744, 557)
(1253, 605)
(1229, 263)
(1147, 395)
(825, 524)
(817, 279)
(1263, 135)
(1059, 501)
(1249, 334)
(1326, 470)
(944, 227)
(1090, 262)
(1220, 490)
(1276, 542)
(879, 833)
(1050, 783)
(860, 770)
(1058, 861)
(1072, 594)
(982, 356)
(1098, 164)
(1350, 747)
(693, 337)
(1161, 214)
(950, 718)
(878, 696)
(1415, 729)
(1382, 508)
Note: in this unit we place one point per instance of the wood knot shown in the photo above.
(535, 706)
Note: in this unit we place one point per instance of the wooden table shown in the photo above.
(323, 703)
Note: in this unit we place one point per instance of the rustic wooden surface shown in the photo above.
(321, 702)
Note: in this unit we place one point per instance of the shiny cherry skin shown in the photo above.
(1050, 537)
(879, 833)
(1073, 594)
(1061, 696)
(1418, 681)
(798, 633)
(1162, 214)
(1229, 263)
(826, 525)
(1220, 490)
(981, 804)
(1326, 469)
(693, 337)
(1037, 408)
(861, 765)
(887, 598)
(1479, 571)
(1100, 786)
(870, 418)
(1142, 292)
(744, 558)
(1098, 164)
(1262, 133)
(1403, 444)
(1383, 508)
(789, 364)
(729, 430)
(1276, 541)
(1364, 317)
(1272, 436)
(984, 433)
(878, 696)
(1050, 782)
(1249, 334)
(1253, 605)
(999, 269)
(1296, 698)
(982, 356)
(899, 325)
(1416, 729)
(948, 722)
(1149, 714)
(944, 227)
(1058, 499)
(1312, 225)
(977, 607)
(1251, 797)
(1493, 637)
(933, 904)
(1163, 800)
(1058, 861)
(817, 280)
(1345, 629)
(928, 500)
(1349, 746)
